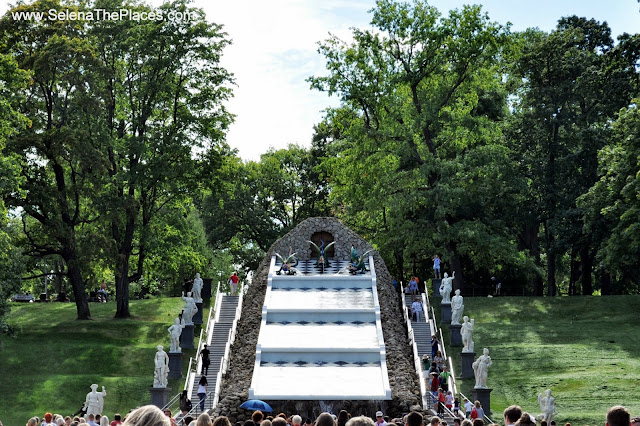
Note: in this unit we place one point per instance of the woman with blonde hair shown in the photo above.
(147, 415)
(204, 420)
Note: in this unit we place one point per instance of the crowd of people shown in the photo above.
(469, 415)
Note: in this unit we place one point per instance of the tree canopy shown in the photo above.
(509, 154)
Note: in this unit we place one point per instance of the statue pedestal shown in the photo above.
(206, 288)
(445, 310)
(435, 282)
(197, 318)
(159, 396)
(456, 337)
(186, 338)
(467, 370)
(484, 396)
(175, 365)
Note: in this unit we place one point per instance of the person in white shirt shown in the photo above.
(416, 309)
(468, 406)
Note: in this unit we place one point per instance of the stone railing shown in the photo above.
(414, 346)
(224, 362)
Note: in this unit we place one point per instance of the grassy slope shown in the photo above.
(54, 359)
(586, 349)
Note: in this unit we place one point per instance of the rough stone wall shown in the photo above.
(297, 239)
(405, 389)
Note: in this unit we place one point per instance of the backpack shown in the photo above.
(474, 413)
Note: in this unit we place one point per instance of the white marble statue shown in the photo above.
(548, 406)
(457, 308)
(481, 369)
(190, 308)
(94, 402)
(197, 289)
(161, 372)
(446, 286)
(466, 334)
(174, 332)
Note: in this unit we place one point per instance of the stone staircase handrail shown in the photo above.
(171, 402)
(487, 419)
(196, 365)
(452, 377)
(195, 411)
(414, 348)
(451, 382)
(209, 327)
(198, 360)
(188, 384)
(224, 362)
(234, 327)
(216, 308)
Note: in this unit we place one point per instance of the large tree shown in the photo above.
(60, 157)
(254, 203)
(13, 81)
(164, 118)
(574, 80)
(420, 168)
(613, 206)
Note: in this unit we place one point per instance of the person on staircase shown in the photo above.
(416, 309)
(444, 379)
(233, 283)
(413, 286)
(434, 371)
(468, 407)
(185, 403)
(479, 410)
(434, 346)
(204, 353)
(434, 385)
(448, 400)
(439, 360)
(202, 391)
(441, 401)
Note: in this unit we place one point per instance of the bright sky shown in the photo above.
(275, 49)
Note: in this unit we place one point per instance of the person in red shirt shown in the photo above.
(233, 282)
(441, 402)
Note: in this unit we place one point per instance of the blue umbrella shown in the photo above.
(256, 404)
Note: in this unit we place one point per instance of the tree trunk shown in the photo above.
(122, 269)
(122, 287)
(77, 284)
(529, 238)
(586, 261)
(605, 285)
(551, 263)
(574, 274)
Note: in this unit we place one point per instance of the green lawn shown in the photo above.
(585, 349)
(54, 359)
